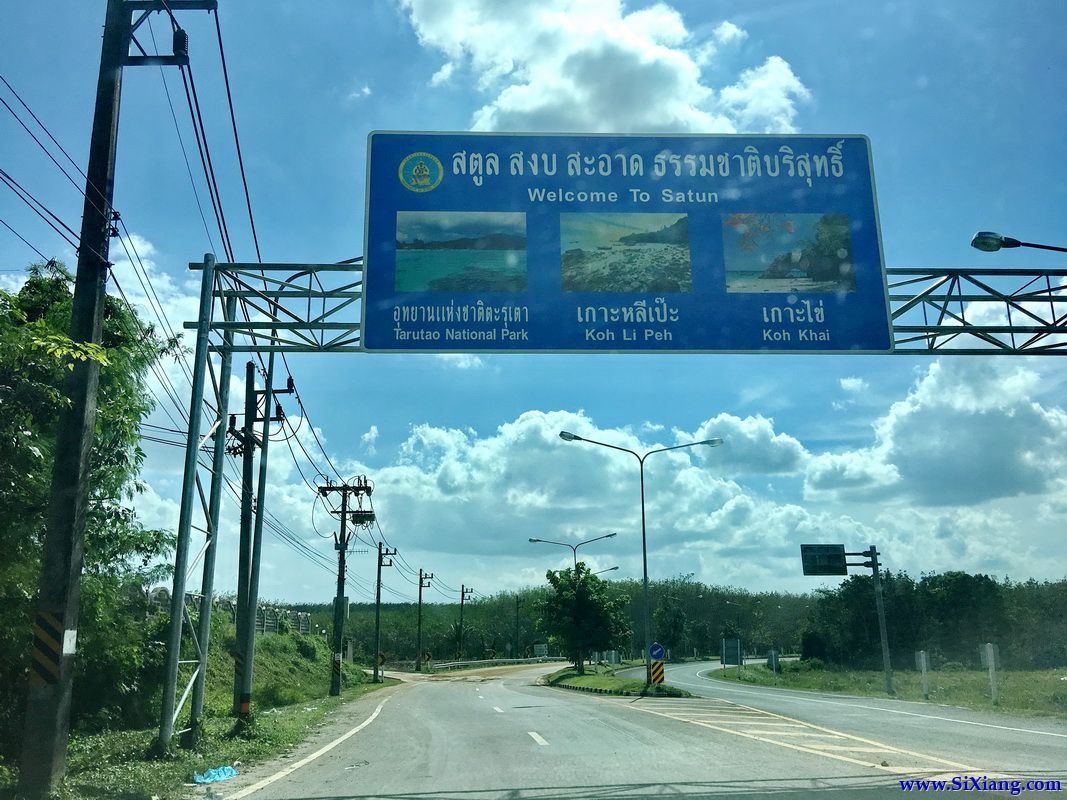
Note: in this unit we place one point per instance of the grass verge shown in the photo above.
(603, 677)
(1039, 692)
(289, 700)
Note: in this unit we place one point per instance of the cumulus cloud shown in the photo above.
(593, 65)
(751, 446)
(967, 432)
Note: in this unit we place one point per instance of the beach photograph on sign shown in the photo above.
(460, 251)
(788, 253)
(625, 253)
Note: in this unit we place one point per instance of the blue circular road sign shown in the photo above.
(655, 650)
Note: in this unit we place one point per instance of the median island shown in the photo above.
(601, 679)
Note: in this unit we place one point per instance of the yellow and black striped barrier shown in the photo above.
(47, 650)
(657, 672)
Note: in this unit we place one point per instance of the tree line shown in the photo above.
(947, 614)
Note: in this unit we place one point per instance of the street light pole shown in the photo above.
(574, 547)
(567, 436)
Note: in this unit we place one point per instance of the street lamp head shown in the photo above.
(990, 242)
(567, 436)
(613, 533)
(712, 442)
(535, 540)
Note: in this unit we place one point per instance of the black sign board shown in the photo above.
(823, 559)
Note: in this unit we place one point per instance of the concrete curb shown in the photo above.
(596, 690)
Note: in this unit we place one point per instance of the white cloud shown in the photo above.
(443, 75)
(359, 93)
(751, 446)
(967, 433)
(368, 439)
(765, 98)
(461, 360)
(854, 385)
(591, 65)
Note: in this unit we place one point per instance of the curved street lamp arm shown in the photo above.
(590, 541)
(612, 446)
(561, 544)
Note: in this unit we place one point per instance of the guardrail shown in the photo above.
(494, 662)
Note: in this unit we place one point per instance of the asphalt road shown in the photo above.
(504, 737)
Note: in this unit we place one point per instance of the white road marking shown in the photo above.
(784, 695)
(498, 709)
(255, 787)
(537, 738)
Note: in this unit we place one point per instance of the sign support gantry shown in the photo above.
(316, 308)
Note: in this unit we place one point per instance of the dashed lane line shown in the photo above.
(498, 709)
(537, 738)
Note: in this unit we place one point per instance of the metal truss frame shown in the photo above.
(315, 308)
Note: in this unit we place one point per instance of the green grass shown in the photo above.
(603, 677)
(1031, 692)
(289, 699)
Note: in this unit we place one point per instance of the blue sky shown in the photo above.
(944, 464)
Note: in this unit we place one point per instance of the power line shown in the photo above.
(41, 210)
(23, 240)
(181, 142)
(236, 139)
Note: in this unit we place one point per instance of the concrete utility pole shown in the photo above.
(464, 591)
(518, 603)
(424, 583)
(55, 629)
(246, 446)
(248, 632)
(358, 516)
(383, 552)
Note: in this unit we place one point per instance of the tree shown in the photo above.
(580, 614)
(122, 557)
(670, 621)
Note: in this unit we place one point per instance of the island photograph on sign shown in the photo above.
(557, 243)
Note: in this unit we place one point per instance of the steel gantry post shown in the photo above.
(185, 513)
(207, 583)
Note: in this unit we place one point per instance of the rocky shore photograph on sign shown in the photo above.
(788, 253)
(625, 253)
(460, 251)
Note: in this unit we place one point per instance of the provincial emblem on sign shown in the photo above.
(421, 172)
